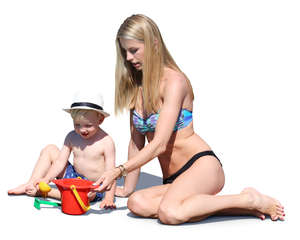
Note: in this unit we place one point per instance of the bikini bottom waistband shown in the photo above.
(186, 166)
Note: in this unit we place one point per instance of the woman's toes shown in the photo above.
(279, 207)
(274, 217)
(281, 211)
(262, 217)
(281, 215)
(259, 215)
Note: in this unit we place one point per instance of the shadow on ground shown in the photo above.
(145, 180)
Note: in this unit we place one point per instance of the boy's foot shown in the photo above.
(18, 190)
(26, 188)
(31, 190)
(264, 204)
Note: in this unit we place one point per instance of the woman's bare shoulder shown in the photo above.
(170, 73)
(174, 80)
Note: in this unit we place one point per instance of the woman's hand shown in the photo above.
(106, 180)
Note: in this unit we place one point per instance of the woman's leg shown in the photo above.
(145, 202)
(264, 202)
(47, 157)
(191, 197)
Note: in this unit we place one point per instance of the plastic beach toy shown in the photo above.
(44, 188)
(38, 202)
(74, 199)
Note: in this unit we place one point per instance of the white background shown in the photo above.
(242, 58)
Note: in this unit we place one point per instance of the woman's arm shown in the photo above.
(109, 156)
(136, 143)
(173, 95)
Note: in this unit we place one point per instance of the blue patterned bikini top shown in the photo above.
(149, 124)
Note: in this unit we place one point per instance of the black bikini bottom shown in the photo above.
(186, 166)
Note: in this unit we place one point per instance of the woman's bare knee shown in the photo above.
(137, 203)
(170, 214)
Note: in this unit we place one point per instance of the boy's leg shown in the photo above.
(54, 193)
(47, 157)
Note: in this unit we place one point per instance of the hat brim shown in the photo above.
(105, 114)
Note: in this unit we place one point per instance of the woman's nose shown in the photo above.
(129, 56)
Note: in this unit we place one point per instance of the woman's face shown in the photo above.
(134, 52)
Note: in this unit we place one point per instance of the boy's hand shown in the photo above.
(107, 204)
(36, 182)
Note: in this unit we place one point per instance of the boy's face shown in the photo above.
(87, 125)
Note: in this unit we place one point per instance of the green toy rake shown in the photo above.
(38, 202)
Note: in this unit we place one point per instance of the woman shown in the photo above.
(160, 99)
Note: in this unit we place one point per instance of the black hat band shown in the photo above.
(86, 104)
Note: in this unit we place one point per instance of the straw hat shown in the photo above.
(89, 101)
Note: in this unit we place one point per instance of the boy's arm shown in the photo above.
(136, 143)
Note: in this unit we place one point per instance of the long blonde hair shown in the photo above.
(156, 57)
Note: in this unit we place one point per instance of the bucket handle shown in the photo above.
(85, 208)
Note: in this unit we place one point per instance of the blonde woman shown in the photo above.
(160, 99)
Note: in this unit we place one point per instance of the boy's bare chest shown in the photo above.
(93, 152)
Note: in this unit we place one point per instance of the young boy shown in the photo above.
(92, 148)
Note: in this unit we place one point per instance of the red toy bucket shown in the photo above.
(74, 199)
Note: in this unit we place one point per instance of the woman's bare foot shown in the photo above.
(262, 204)
(26, 188)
